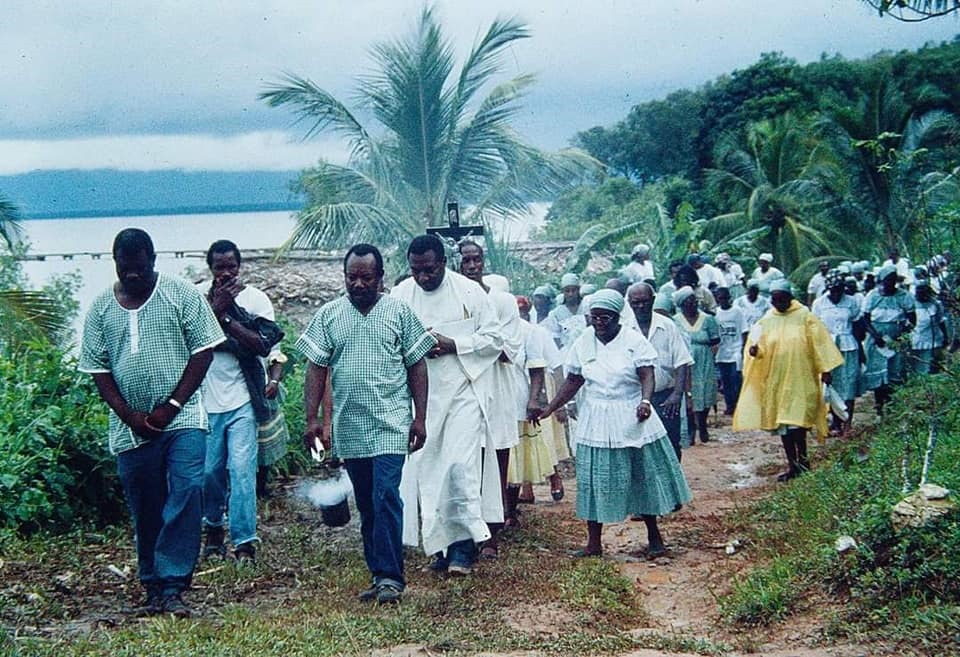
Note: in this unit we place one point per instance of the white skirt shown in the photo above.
(607, 422)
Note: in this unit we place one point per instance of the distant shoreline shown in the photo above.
(153, 212)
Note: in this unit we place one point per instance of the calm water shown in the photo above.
(188, 232)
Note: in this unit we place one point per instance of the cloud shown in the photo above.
(263, 151)
(100, 68)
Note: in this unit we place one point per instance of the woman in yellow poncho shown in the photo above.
(790, 353)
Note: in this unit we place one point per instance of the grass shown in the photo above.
(895, 586)
(300, 599)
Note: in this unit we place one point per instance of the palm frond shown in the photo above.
(10, 227)
(313, 104)
(31, 308)
(407, 95)
(331, 225)
(483, 148)
(484, 60)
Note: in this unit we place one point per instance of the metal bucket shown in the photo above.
(337, 515)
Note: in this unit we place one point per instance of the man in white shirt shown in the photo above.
(234, 393)
(499, 380)
(729, 357)
(817, 284)
(640, 267)
(672, 368)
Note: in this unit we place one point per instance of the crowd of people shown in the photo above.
(446, 397)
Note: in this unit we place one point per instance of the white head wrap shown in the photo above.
(682, 295)
(607, 299)
(569, 280)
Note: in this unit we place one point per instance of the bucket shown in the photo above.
(337, 515)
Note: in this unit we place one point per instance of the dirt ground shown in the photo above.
(678, 591)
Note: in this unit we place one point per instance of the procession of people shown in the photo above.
(446, 397)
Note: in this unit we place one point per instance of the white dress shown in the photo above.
(612, 391)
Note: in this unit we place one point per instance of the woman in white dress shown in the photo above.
(625, 463)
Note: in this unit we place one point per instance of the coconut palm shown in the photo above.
(887, 146)
(782, 185)
(437, 140)
(23, 308)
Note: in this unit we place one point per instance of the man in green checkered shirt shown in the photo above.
(148, 341)
(374, 346)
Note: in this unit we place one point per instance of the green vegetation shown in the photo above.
(834, 158)
(310, 607)
(55, 471)
(441, 141)
(895, 585)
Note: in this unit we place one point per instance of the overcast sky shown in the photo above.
(173, 84)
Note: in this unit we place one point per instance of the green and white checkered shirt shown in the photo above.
(147, 349)
(368, 356)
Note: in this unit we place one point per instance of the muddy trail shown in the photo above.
(91, 585)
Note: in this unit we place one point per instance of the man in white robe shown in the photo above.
(445, 476)
(498, 381)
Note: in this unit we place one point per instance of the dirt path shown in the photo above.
(80, 590)
(679, 591)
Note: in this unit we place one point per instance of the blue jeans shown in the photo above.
(376, 488)
(232, 445)
(732, 380)
(162, 480)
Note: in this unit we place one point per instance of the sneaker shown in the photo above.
(439, 564)
(246, 554)
(460, 570)
(368, 594)
(174, 605)
(152, 605)
(213, 547)
(388, 594)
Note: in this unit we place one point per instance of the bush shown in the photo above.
(55, 469)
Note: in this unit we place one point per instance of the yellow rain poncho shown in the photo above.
(781, 385)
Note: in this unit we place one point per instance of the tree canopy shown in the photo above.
(836, 157)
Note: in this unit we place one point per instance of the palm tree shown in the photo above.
(784, 185)
(437, 140)
(887, 146)
(19, 308)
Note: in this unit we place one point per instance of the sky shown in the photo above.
(163, 84)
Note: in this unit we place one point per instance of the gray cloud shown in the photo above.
(101, 68)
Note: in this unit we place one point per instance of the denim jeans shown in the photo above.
(162, 480)
(232, 446)
(376, 488)
(462, 553)
(671, 424)
(732, 380)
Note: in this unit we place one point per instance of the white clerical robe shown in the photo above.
(447, 476)
(499, 381)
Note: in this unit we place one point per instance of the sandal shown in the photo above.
(556, 488)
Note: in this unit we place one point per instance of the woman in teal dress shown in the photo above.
(704, 333)
(888, 312)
